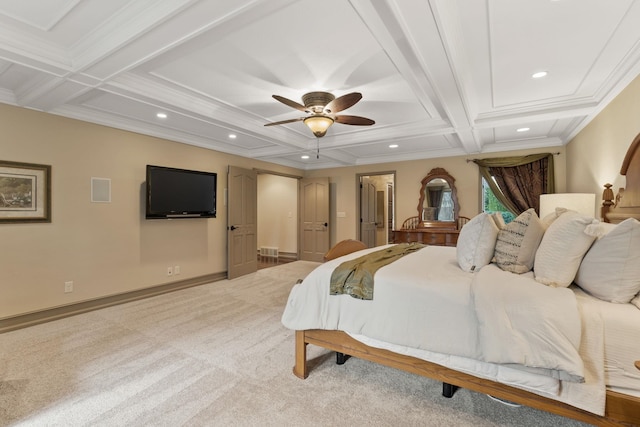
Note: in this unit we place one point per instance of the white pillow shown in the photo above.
(562, 248)
(499, 220)
(549, 218)
(611, 269)
(518, 241)
(476, 243)
(603, 228)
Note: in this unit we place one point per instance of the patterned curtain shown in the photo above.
(519, 181)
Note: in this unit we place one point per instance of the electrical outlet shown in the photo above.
(176, 270)
(68, 287)
(169, 271)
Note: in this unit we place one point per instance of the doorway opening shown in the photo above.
(277, 236)
(376, 207)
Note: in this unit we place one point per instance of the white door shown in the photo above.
(314, 218)
(242, 213)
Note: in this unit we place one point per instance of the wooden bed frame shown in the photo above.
(620, 409)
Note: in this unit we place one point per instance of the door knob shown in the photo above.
(233, 227)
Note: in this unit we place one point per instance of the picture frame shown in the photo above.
(25, 192)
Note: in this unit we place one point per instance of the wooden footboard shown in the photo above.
(620, 409)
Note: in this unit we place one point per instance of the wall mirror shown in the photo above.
(438, 204)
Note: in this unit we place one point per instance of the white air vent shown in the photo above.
(269, 251)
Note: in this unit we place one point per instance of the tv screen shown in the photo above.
(180, 193)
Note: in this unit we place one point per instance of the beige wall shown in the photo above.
(596, 153)
(408, 182)
(104, 248)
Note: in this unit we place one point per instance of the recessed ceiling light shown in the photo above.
(393, 146)
(161, 115)
(305, 157)
(523, 129)
(539, 74)
(232, 136)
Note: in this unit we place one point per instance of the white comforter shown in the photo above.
(523, 322)
(425, 303)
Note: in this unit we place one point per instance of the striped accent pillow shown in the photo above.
(518, 242)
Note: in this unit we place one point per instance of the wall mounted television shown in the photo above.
(180, 193)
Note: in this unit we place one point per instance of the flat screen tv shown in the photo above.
(180, 193)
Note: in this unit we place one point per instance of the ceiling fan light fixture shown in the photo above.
(318, 124)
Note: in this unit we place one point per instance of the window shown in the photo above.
(491, 204)
(445, 213)
(518, 181)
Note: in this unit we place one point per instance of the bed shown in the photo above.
(587, 371)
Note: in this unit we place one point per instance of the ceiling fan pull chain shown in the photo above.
(317, 147)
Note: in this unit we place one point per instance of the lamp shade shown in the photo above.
(584, 203)
(318, 124)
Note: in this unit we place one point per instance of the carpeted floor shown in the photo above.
(215, 355)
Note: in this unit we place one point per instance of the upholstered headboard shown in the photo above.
(627, 202)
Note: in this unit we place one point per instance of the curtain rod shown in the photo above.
(473, 160)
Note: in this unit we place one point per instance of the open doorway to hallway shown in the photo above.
(375, 207)
(277, 237)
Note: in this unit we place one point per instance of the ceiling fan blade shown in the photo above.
(290, 103)
(286, 121)
(354, 120)
(343, 102)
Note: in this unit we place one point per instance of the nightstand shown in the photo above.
(428, 236)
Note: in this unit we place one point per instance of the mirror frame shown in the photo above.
(441, 173)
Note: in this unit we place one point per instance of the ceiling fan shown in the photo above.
(322, 108)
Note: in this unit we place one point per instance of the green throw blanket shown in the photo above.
(355, 277)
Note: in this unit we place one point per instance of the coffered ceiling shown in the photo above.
(439, 77)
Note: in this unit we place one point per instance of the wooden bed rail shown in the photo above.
(620, 409)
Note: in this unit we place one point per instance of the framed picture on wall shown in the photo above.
(25, 192)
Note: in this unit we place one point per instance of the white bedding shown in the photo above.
(621, 342)
(523, 322)
(622, 348)
(426, 306)
(396, 307)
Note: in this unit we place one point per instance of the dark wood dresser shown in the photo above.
(429, 236)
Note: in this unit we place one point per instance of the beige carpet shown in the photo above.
(215, 355)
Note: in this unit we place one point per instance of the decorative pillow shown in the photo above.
(564, 244)
(476, 243)
(549, 218)
(518, 241)
(602, 229)
(611, 269)
(498, 219)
